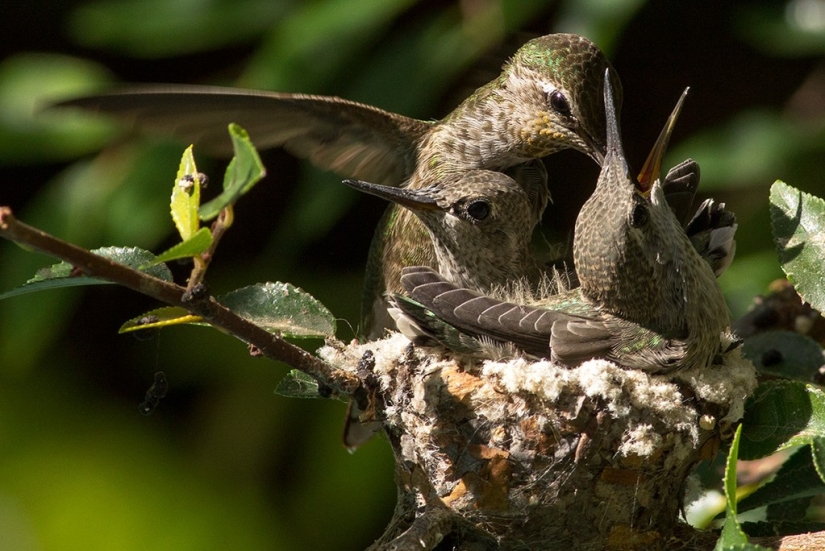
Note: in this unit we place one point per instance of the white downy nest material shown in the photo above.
(496, 390)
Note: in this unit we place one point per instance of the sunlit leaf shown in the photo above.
(798, 222)
(781, 414)
(195, 245)
(186, 196)
(160, 317)
(785, 354)
(63, 274)
(732, 536)
(297, 384)
(281, 308)
(244, 171)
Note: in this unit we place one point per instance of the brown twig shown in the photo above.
(270, 345)
(202, 261)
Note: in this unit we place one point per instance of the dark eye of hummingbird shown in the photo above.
(559, 103)
(639, 216)
(478, 210)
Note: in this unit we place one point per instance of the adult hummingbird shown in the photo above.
(547, 98)
(646, 300)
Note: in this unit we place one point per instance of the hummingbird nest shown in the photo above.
(532, 455)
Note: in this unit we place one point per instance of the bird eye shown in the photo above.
(478, 210)
(639, 216)
(559, 103)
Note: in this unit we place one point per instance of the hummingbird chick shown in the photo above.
(647, 299)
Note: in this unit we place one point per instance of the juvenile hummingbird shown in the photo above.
(547, 98)
(647, 299)
(481, 224)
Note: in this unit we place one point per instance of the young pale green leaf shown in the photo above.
(281, 308)
(186, 196)
(244, 171)
(781, 414)
(160, 317)
(298, 384)
(796, 479)
(62, 274)
(195, 245)
(798, 222)
(785, 354)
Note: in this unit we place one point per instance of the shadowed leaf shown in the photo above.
(61, 275)
(785, 354)
(298, 384)
(281, 308)
(244, 171)
(781, 414)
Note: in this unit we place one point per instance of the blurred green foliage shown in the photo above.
(223, 463)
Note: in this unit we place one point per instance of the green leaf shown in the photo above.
(186, 196)
(244, 171)
(781, 414)
(61, 274)
(798, 219)
(732, 537)
(797, 478)
(785, 354)
(195, 245)
(281, 308)
(298, 384)
(160, 317)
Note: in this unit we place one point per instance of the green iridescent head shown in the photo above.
(561, 76)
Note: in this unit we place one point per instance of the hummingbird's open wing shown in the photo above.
(712, 227)
(680, 187)
(350, 138)
(712, 231)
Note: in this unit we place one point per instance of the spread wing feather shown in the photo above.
(350, 138)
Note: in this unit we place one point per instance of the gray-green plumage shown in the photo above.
(481, 224)
(546, 99)
(647, 299)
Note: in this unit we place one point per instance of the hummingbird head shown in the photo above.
(555, 84)
(481, 224)
(632, 255)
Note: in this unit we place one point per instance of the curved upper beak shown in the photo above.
(653, 165)
(415, 199)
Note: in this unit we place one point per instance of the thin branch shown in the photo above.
(271, 346)
(222, 223)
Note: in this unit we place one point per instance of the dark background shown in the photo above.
(223, 462)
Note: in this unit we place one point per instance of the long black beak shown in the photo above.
(415, 199)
